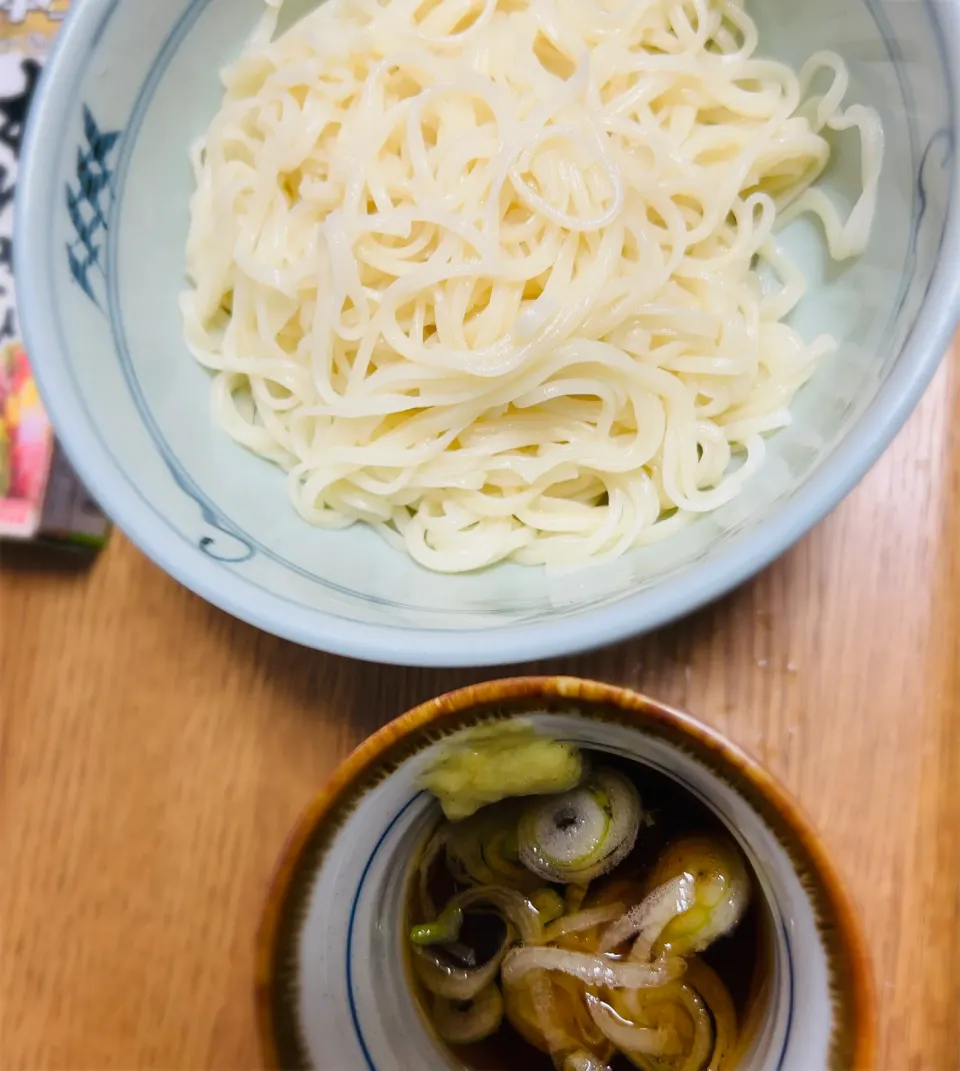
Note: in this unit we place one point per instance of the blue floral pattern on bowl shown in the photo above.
(88, 204)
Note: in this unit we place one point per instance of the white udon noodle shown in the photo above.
(495, 275)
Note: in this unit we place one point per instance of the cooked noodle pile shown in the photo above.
(495, 276)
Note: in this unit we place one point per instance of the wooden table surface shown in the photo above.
(155, 752)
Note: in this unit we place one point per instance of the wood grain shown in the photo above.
(155, 752)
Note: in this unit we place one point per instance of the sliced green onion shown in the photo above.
(576, 836)
(717, 878)
(645, 922)
(482, 849)
(513, 907)
(444, 930)
(445, 979)
(666, 1009)
(465, 1023)
(549, 903)
(592, 970)
(627, 1036)
(583, 920)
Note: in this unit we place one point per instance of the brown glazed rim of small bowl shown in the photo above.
(853, 1042)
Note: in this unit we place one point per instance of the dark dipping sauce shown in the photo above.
(742, 959)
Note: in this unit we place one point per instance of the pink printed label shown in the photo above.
(26, 442)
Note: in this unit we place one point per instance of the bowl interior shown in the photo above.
(130, 89)
(332, 946)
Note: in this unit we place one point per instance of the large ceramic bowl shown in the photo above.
(101, 231)
(333, 990)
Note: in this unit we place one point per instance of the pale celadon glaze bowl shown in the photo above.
(333, 991)
(100, 236)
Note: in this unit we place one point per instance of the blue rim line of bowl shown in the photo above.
(405, 644)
